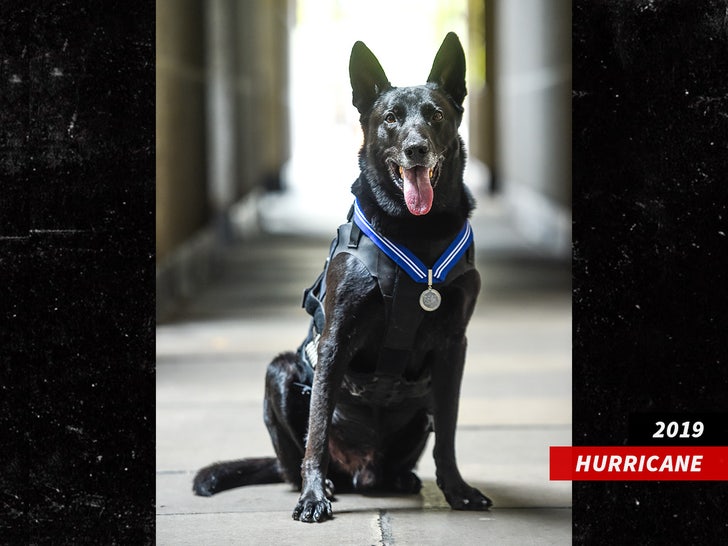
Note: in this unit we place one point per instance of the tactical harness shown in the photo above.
(403, 316)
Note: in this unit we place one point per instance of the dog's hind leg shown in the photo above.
(285, 407)
(403, 453)
(285, 411)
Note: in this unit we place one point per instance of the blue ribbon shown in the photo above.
(402, 256)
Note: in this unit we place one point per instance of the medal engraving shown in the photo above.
(430, 299)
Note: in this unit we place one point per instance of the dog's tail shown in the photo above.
(229, 474)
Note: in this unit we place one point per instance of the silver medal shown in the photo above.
(430, 299)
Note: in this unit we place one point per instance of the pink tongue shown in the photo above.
(418, 192)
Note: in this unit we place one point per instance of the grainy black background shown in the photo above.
(77, 272)
(650, 201)
(650, 115)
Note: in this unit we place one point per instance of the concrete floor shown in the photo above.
(516, 402)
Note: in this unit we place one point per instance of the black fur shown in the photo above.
(320, 432)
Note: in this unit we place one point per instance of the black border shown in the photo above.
(650, 240)
(77, 267)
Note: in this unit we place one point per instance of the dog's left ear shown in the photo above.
(448, 68)
(367, 77)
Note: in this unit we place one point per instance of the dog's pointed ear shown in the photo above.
(448, 68)
(367, 77)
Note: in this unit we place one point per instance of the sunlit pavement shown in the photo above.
(515, 403)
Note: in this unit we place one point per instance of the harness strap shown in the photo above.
(354, 236)
(403, 314)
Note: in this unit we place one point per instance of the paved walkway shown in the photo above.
(516, 402)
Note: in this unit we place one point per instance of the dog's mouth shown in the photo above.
(417, 184)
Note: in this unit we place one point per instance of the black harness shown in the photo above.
(403, 316)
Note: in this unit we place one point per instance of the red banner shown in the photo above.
(638, 463)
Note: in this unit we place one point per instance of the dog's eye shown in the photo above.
(437, 116)
(390, 118)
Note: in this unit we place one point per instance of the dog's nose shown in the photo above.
(416, 150)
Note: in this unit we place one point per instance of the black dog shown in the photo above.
(387, 340)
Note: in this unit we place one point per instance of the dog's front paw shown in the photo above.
(465, 497)
(312, 508)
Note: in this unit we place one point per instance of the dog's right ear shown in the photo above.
(367, 77)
